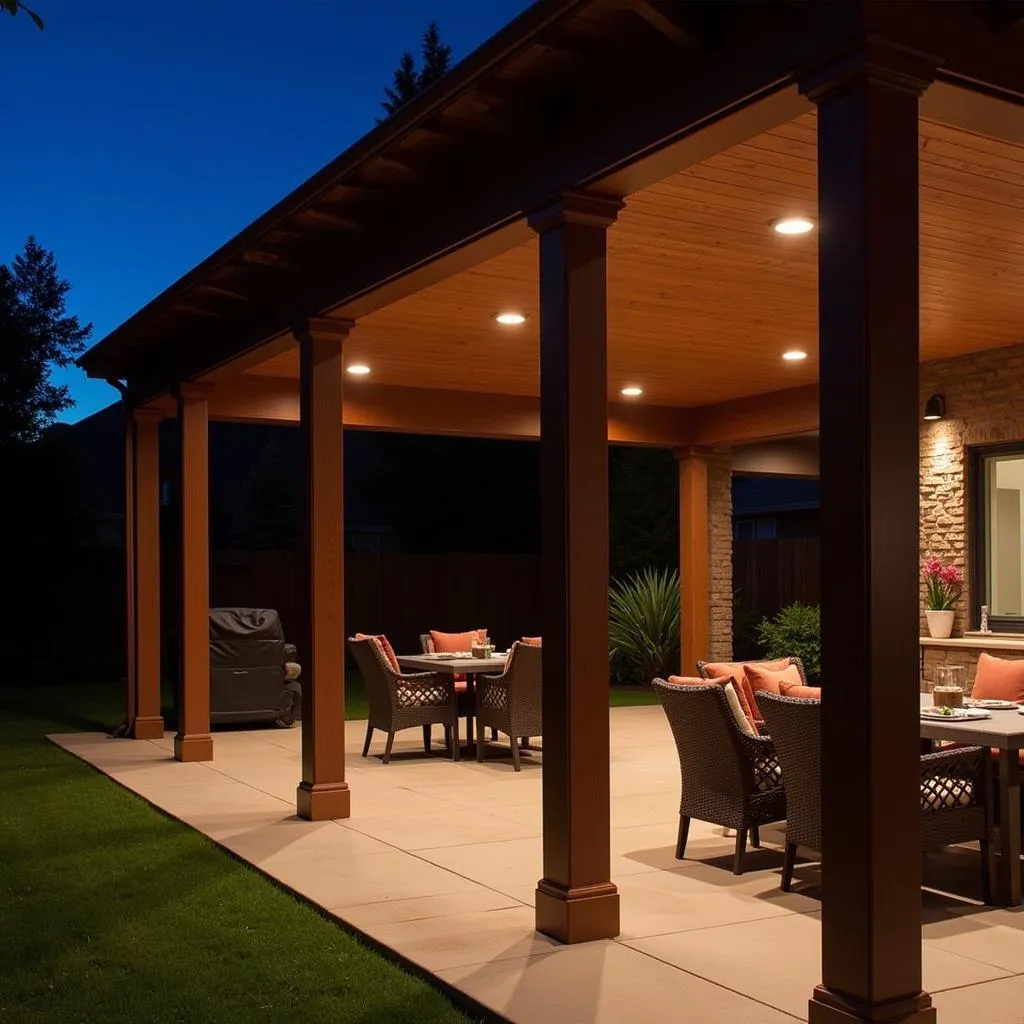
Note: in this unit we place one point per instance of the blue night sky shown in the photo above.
(139, 136)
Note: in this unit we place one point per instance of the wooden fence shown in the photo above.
(770, 574)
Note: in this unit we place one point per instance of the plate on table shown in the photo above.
(954, 714)
(443, 656)
(993, 705)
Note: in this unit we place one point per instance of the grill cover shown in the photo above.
(247, 658)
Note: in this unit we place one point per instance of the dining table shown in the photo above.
(468, 666)
(1003, 731)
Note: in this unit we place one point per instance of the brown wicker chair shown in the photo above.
(403, 701)
(702, 667)
(956, 787)
(728, 778)
(511, 702)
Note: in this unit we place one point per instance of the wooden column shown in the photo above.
(193, 741)
(694, 557)
(575, 899)
(148, 722)
(323, 792)
(868, 313)
(131, 670)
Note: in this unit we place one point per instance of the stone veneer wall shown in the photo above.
(984, 395)
(720, 554)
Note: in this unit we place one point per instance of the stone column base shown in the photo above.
(827, 1007)
(577, 915)
(150, 727)
(323, 801)
(198, 747)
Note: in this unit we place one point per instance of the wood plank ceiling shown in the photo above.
(704, 297)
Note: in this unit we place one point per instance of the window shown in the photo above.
(997, 484)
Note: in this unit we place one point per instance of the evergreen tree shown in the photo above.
(267, 516)
(437, 58)
(408, 81)
(36, 333)
(404, 86)
(13, 6)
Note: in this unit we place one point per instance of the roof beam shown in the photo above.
(271, 259)
(662, 22)
(327, 215)
(219, 289)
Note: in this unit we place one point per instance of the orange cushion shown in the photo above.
(999, 679)
(382, 642)
(531, 641)
(745, 704)
(761, 678)
(735, 668)
(448, 643)
(789, 689)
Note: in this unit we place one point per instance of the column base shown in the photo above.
(197, 747)
(323, 801)
(828, 1007)
(150, 727)
(577, 915)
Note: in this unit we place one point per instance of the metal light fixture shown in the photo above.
(935, 408)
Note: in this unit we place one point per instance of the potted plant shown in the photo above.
(943, 586)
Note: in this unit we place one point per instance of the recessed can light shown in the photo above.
(794, 355)
(793, 225)
(358, 369)
(632, 392)
(510, 319)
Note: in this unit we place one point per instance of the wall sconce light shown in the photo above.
(935, 408)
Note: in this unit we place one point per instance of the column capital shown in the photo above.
(590, 209)
(692, 451)
(336, 328)
(871, 61)
(193, 391)
(147, 414)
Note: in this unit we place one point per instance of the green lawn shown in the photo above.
(631, 696)
(110, 912)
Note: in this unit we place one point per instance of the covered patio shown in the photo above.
(439, 865)
(629, 218)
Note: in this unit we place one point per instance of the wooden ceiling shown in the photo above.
(704, 297)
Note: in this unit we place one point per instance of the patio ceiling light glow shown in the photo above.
(793, 225)
(632, 392)
(794, 355)
(510, 319)
(358, 369)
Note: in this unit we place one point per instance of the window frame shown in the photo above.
(978, 530)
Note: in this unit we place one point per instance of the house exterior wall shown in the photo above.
(984, 394)
(720, 555)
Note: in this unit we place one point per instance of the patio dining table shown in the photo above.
(1003, 731)
(470, 667)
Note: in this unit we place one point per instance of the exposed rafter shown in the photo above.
(326, 215)
(656, 16)
(193, 310)
(267, 258)
(219, 289)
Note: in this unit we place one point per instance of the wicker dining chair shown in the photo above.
(728, 778)
(956, 787)
(511, 702)
(405, 700)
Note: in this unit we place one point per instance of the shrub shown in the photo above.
(794, 632)
(643, 629)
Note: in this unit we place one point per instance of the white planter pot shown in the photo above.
(940, 624)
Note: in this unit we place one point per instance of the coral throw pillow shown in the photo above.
(531, 641)
(999, 679)
(449, 643)
(746, 705)
(717, 669)
(761, 678)
(791, 690)
(382, 643)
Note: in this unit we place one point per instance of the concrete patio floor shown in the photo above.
(439, 862)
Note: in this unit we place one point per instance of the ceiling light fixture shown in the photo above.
(632, 392)
(510, 319)
(358, 369)
(794, 355)
(935, 408)
(793, 225)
